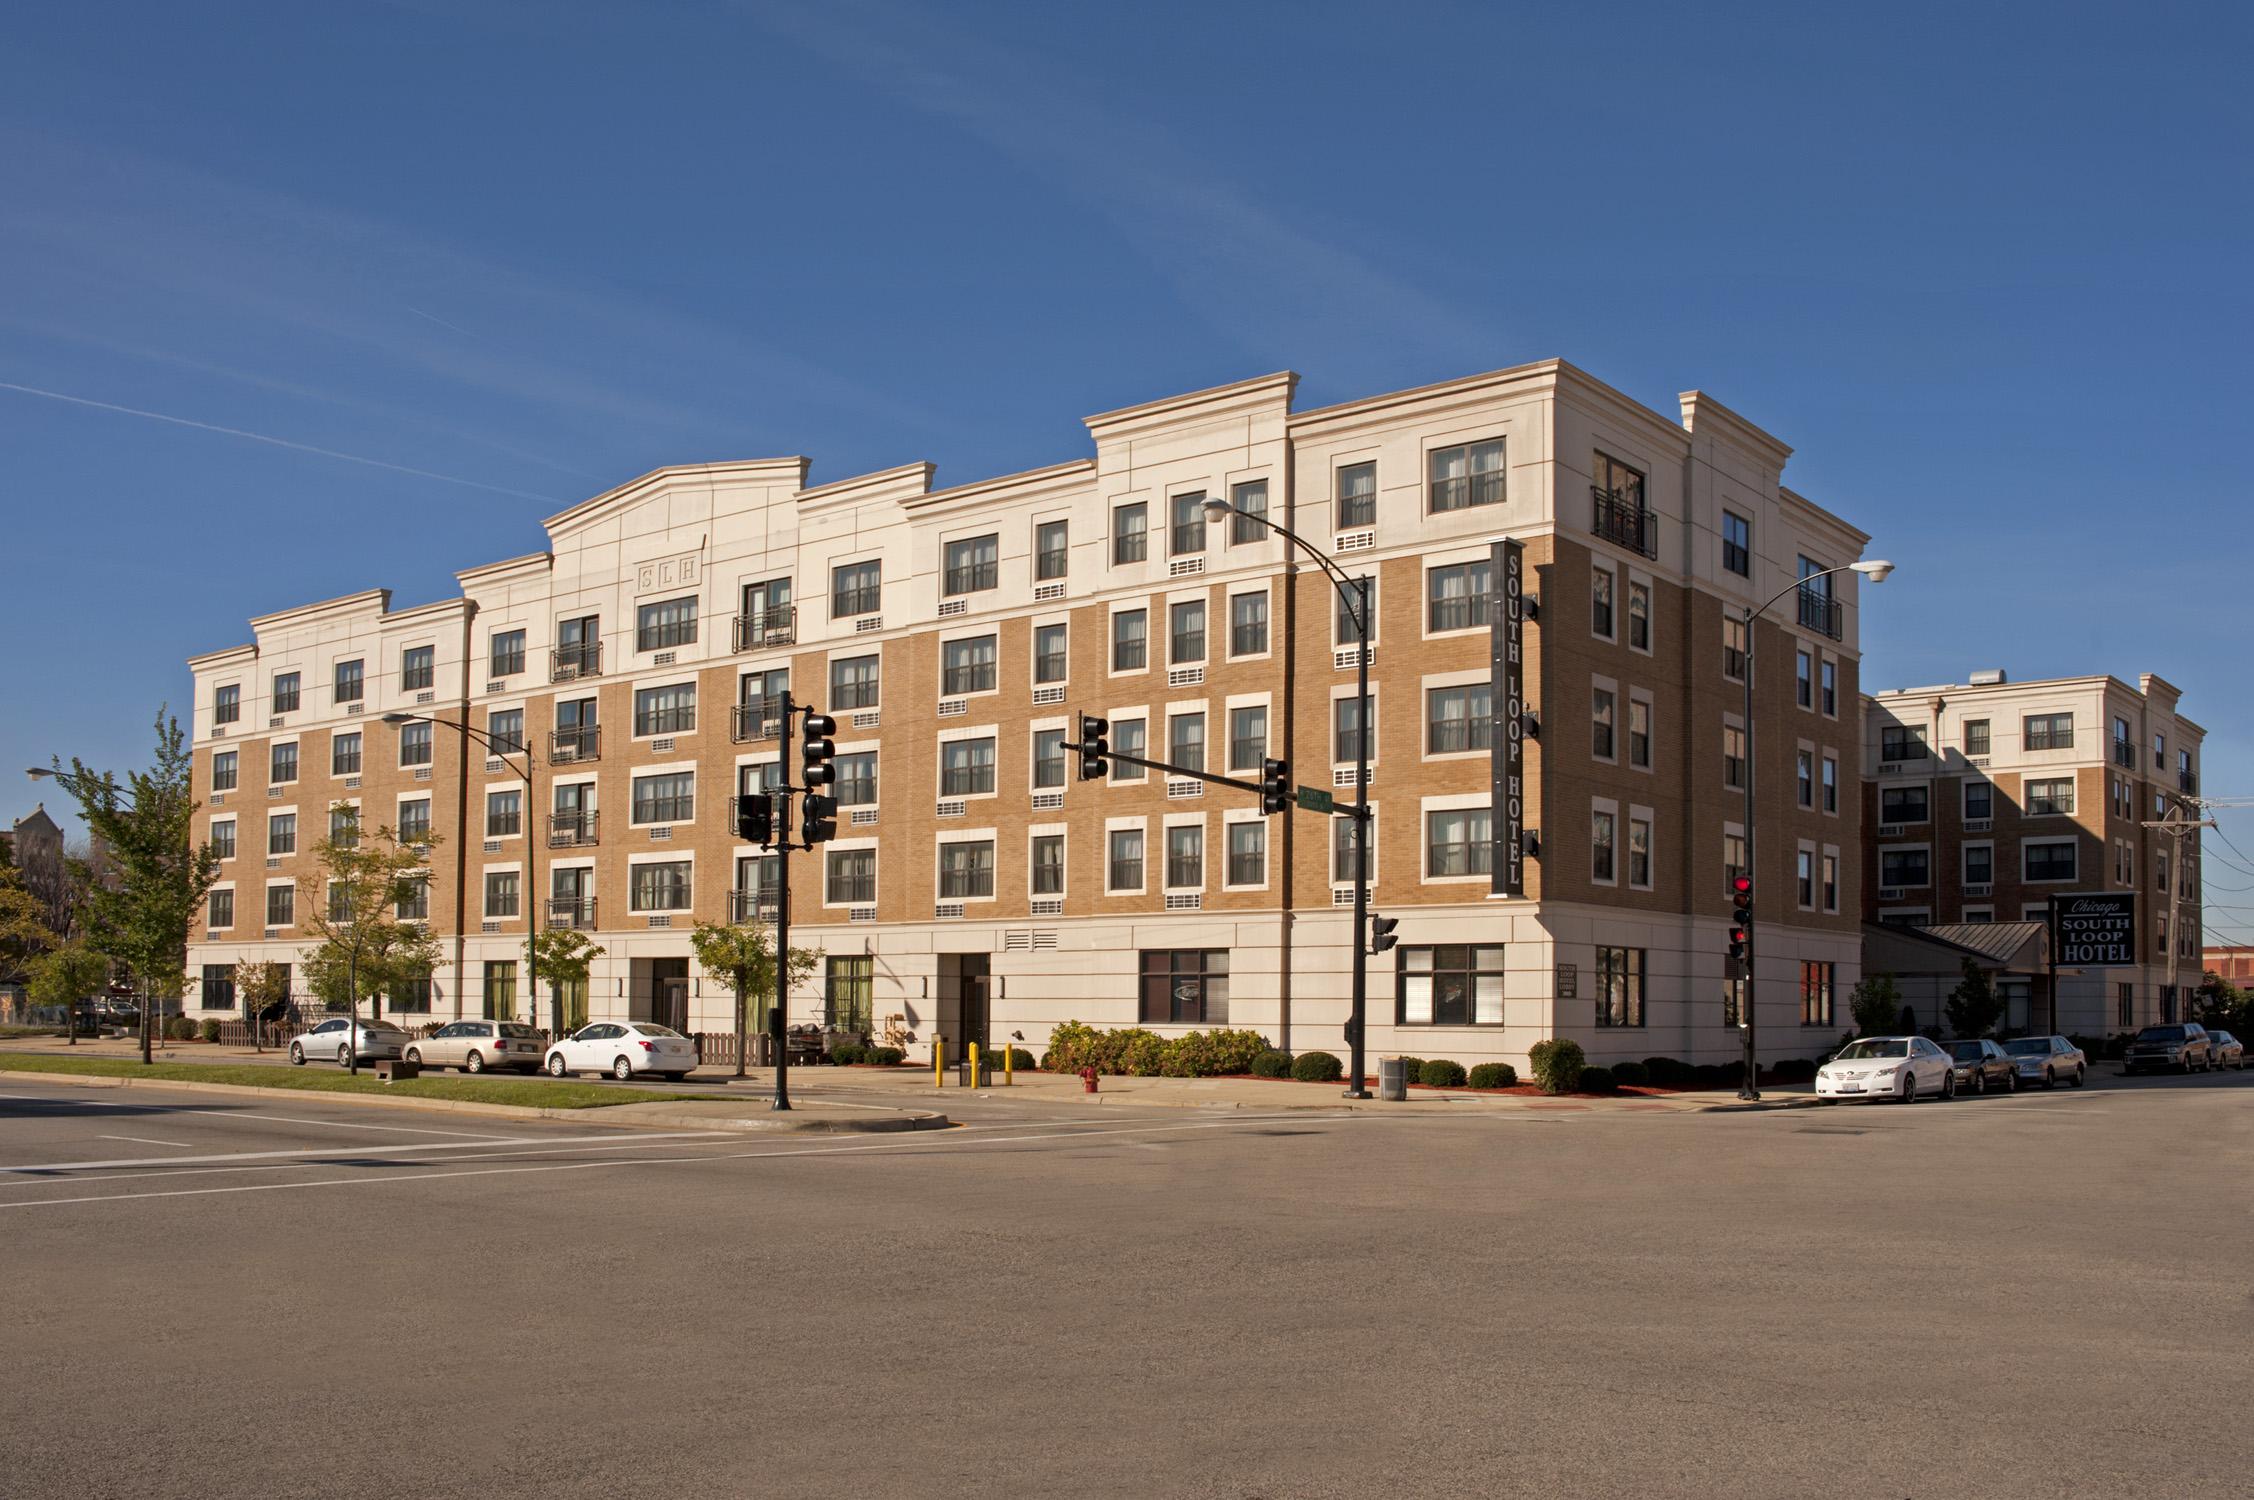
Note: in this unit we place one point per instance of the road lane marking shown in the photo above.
(231, 1157)
(239, 1114)
(142, 1140)
(928, 1142)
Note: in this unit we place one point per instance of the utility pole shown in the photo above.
(2176, 828)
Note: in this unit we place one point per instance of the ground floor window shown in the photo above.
(2124, 1005)
(1185, 986)
(501, 990)
(1620, 986)
(410, 997)
(1450, 985)
(2168, 1003)
(218, 987)
(1816, 993)
(848, 993)
(573, 995)
(1733, 1002)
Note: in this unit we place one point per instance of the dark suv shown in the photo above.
(2183, 1045)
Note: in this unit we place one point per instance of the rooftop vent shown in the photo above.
(1990, 677)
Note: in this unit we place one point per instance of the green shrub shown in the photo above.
(1440, 1073)
(1668, 1072)
(1733, 1074)
(1705, 1076)
(1597, 1081)
(1317, 1067)
(1630, 1075)
(1272, 1065)
(885, 1057)
(1146, 1054)
(1019, 1060)
(1212, 1054)
(209, 1030)
(1557, 1064)
(1795, 1070)
(1412, 1069)
(179, 1029)
(1494, 1076)
(845, 1054)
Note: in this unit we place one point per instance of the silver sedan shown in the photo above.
(340, 1038)
(2048, 1060)
(474, 1046)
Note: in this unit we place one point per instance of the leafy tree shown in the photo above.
(742, 956)
(1875, 1004)
(1973, 1006)
(561, 956)
(141, 917)
(260, 987)
(24, 933)
(364, 946)
(2223, 1004)
(66, 977)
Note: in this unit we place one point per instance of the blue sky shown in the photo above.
(1983, 266)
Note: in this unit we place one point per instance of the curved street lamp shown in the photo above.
(1876, 572)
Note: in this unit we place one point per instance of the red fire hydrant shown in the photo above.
(1088, 1080)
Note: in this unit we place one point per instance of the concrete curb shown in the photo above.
(609, 1114)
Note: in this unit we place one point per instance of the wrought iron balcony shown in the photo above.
(2187, 782)
(570, 747)
(571, 830)
(575, 912)
(757, 719)
(568, 663)
(1820, 612)
(756, 905)
(1626, 524)
(2125, 754)
(776, 625)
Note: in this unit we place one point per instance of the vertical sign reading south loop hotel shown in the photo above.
(1508, 744)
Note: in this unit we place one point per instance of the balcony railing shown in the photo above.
(576, 912)
(758, 719)
(582, 659)
(571, 830)
(2187, 782)
(1820, 612)
(775, 626)
(755, 905)
(2125, 754)
(570, 747)
(1625, 523)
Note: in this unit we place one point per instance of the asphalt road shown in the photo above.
(2034, 1295)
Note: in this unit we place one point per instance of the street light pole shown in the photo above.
(1356, 594)
(1747, 1020)
(531, 894)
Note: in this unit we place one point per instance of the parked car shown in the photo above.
(1983, 1065)
(2047, 1059)
(2182, 1045)
(1888, 1067)
(2229, 1051)
(474, 1046)
(340, 1037)
(115, 1010)
(622, 1049)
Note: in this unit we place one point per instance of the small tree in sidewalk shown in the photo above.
(364, 946)
(261, 987)
(1973, 1006)
(561, 956)
(742, 956)
(1875, 1004)
(67, 977)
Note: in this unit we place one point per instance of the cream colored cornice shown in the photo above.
(1032, 484)
(230, 656)
(1720, 422)
(369, 602)
(531, 565)
(1261, 393)
(783, 471)
(895, 486)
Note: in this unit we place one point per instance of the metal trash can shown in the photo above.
(1393, 1078)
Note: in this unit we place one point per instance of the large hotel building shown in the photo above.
(977, 889)
(1989, 798)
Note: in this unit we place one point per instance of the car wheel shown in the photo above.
(2078, 1077)
(621, 1069)
(297, 1055)
(1949, 1085)
(2011, 1081)
(2050, 1079)
(1979, 1080)
(1909, 1088)
(474, 1063)
(344, 1056)
(415, 1056)
(556, 1067)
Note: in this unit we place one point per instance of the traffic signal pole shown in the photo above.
(778, 1024)
(1749, 1014)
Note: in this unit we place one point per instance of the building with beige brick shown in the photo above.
(1986, 800)
(977, 889)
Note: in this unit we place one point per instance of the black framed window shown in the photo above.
(1124, 856)
(1345, 603)
(1829, 677)
(1185, 741)
(1817, 984)
(2055, 860)
(1733, 649)
(665, 623)
(1466, 475)
(2048, 732)
(1733, 756)
(1979, 800)
(1803, 679)
(1620, 986)
(1346, 720)
(1250, 522)
(501, 893)
(1248, 624)
(1248, 854)
(1130, 737)
(1130, 640)
(1639, 616)
(1737, 544)
(504, 813)
(974, 563)
(415, 744)
(856, 588)
(1186, 630)
(1186, 533)
(505, 653)
(669, 798)
(968, 666)
(1130, 533)
(1639, 734)
(856, 784)
(966, 767)
(1048, 757)
(1456, 596)
(966, 869)
(1601, 847)
(225, 770)
(1979, 864)
(282, 764)
(223, 838)
(1052, 550)
(1901, 742)
(1049, 662)
(1904, 804)
(350, 681)
(1904, 867)
(344, 827)
(1458, 719)
(1048, 864)
(854, 681)
(1600, 602)
(850, 876)
(414, 821)
(1357, 495)
(418, 668)
(219, 979)
(281, 905)
(413, 904)
(1601, 710)
(2050, 796)
(1345, 844)
(666, 710)
(286, 692)
(1248, 737)
(227, 704)
(1453, 984)
(1185, 857)
(219, 911)
(1459, 841)
(849, 988)
(1831, 783)
(662, 886)
(1185, 987)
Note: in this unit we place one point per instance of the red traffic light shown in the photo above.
(1742, 885)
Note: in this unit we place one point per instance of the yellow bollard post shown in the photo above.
(970, 1051)
(939, 1062)
(1009, 1067)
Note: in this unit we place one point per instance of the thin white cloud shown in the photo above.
(260, 437)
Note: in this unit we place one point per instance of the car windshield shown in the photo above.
(2161, 1034)
(1874, 1047)
(2222, 1036)
(2028, 1046)
(647, 1029)
(518, 1028)
(1967, 1051)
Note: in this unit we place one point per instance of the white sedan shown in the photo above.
(1888, 1067)
(622, 1049)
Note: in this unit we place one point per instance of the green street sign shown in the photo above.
(1316, 799)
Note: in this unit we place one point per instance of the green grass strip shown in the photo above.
(541, 1093)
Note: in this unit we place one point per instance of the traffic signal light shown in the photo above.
(1275, 786)
(1095, 744)
(817, 821)
(1381, 933)
(814, 759)
(1741, 917)
(755, 819)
